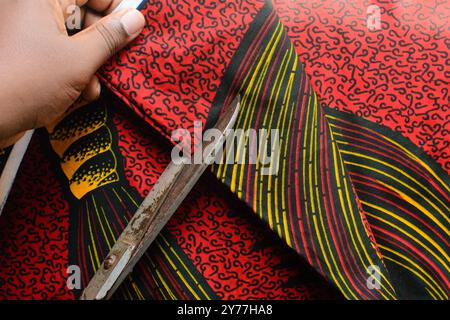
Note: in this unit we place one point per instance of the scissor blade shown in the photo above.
(155, 211)
(8, 175)
(128, 4)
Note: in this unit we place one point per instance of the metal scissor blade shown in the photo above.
(155, 211)
(8, 175)
(125, 4)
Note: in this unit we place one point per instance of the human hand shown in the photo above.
(43, 70)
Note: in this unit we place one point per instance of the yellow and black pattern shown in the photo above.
(83, 142)
(156, 264)
(348, 204)
(406, 198)
(102, 203)
(309, 201)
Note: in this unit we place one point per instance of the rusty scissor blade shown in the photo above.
(155, 211)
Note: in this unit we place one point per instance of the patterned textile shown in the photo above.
(362, 177)
(46, 228)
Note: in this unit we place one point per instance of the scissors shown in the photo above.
(155, 211)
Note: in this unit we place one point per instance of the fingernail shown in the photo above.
(133, 22)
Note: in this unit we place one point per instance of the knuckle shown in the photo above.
(72, 93)
(112, 34)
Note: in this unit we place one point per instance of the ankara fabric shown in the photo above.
(363, 170)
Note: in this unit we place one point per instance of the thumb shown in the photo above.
(96, 44)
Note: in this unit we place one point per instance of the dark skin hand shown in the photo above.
(44, 72)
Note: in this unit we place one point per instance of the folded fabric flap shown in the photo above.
(171, 73)
(406, 198)
(298, 179)
(267, 73)
(298, 183)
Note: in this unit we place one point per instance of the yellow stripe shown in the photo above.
(153, 268)
(185, 268)
(171, 295)
(436, 288)
(284, 174)
(406, 185)
(350, 226)
(252, 92)
(320, 203)
(331, 272)
(249, 87)
(93, 242)
(130, 197)
(283, 111)
(417, 159)
(272, 102)
(138, 291)
(312, 152)
(91, 257)
(111, 233)
(281, 167)
(100, 222)
(409, 153)
(407, 223)
(180, 275)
